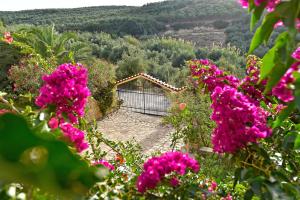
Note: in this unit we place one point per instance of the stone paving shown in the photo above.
(147, 130)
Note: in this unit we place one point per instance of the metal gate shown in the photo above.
(147, 99)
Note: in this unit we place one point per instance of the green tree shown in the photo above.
(131, 64)
(47, 42)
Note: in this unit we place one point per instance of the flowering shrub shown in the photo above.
(238, 120)
(191, 119)
(250, 85)
(296, 54)
(3, 111)
(283, 90)
(211, 75)
(156, 169)
(269, 4)
(243, 113)
(8, 38)
(74, 135)
(66, 89)
(26, 77)
(105, 164)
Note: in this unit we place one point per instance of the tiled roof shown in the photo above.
(151, 79)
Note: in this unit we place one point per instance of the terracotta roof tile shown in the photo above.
(152, 79)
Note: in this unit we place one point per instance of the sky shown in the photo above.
(12, 5)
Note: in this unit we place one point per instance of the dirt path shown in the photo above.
(147, 130)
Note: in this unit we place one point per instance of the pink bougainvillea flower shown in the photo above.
(214, 185)
(156, 168)
(3, 111)
(75, 136)
(105, 164)
(296, 54)
(283, 90)
(278, 24)
(228, 197)
(7, 34)
(279, 108)
(182, 106)
(269, 4)
(298, 24)
(211, 76)
(250, 85)
(244, 3)
(53, 123)
(239, 117)
(239, 121)
(66, 89)
(8, 38)
(174, 182)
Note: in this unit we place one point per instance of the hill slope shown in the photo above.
(121, 20)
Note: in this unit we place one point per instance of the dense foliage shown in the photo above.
(238, 34)
(49, 151)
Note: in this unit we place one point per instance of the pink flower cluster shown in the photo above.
(296, 54)
(283, 90)
(213, 186)
(4, 111)
(156, 168)
(228, 197)
(66, 88)
(74, 135)
(280, 24)
(105, 164)
(249, 84)
(8, 38)
(210, 75)
(251, 90)
(239, 121)
(53, 123)
(270, 4)
(238, 116)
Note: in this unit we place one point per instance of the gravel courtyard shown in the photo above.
(147, 130)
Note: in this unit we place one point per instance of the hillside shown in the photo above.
(149, 19)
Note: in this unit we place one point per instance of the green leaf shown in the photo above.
(248, 195)
(297, 142)
(246, 174)
(237, 176)
(289, 140)
(272, 56)
(296, 75)
(284, 114)
(276, 192)
(290, 17)
(256, 184)
(263, 33)
(277, 73)
(48, 164)
(256, 15)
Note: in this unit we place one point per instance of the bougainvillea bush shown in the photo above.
(49, 151)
